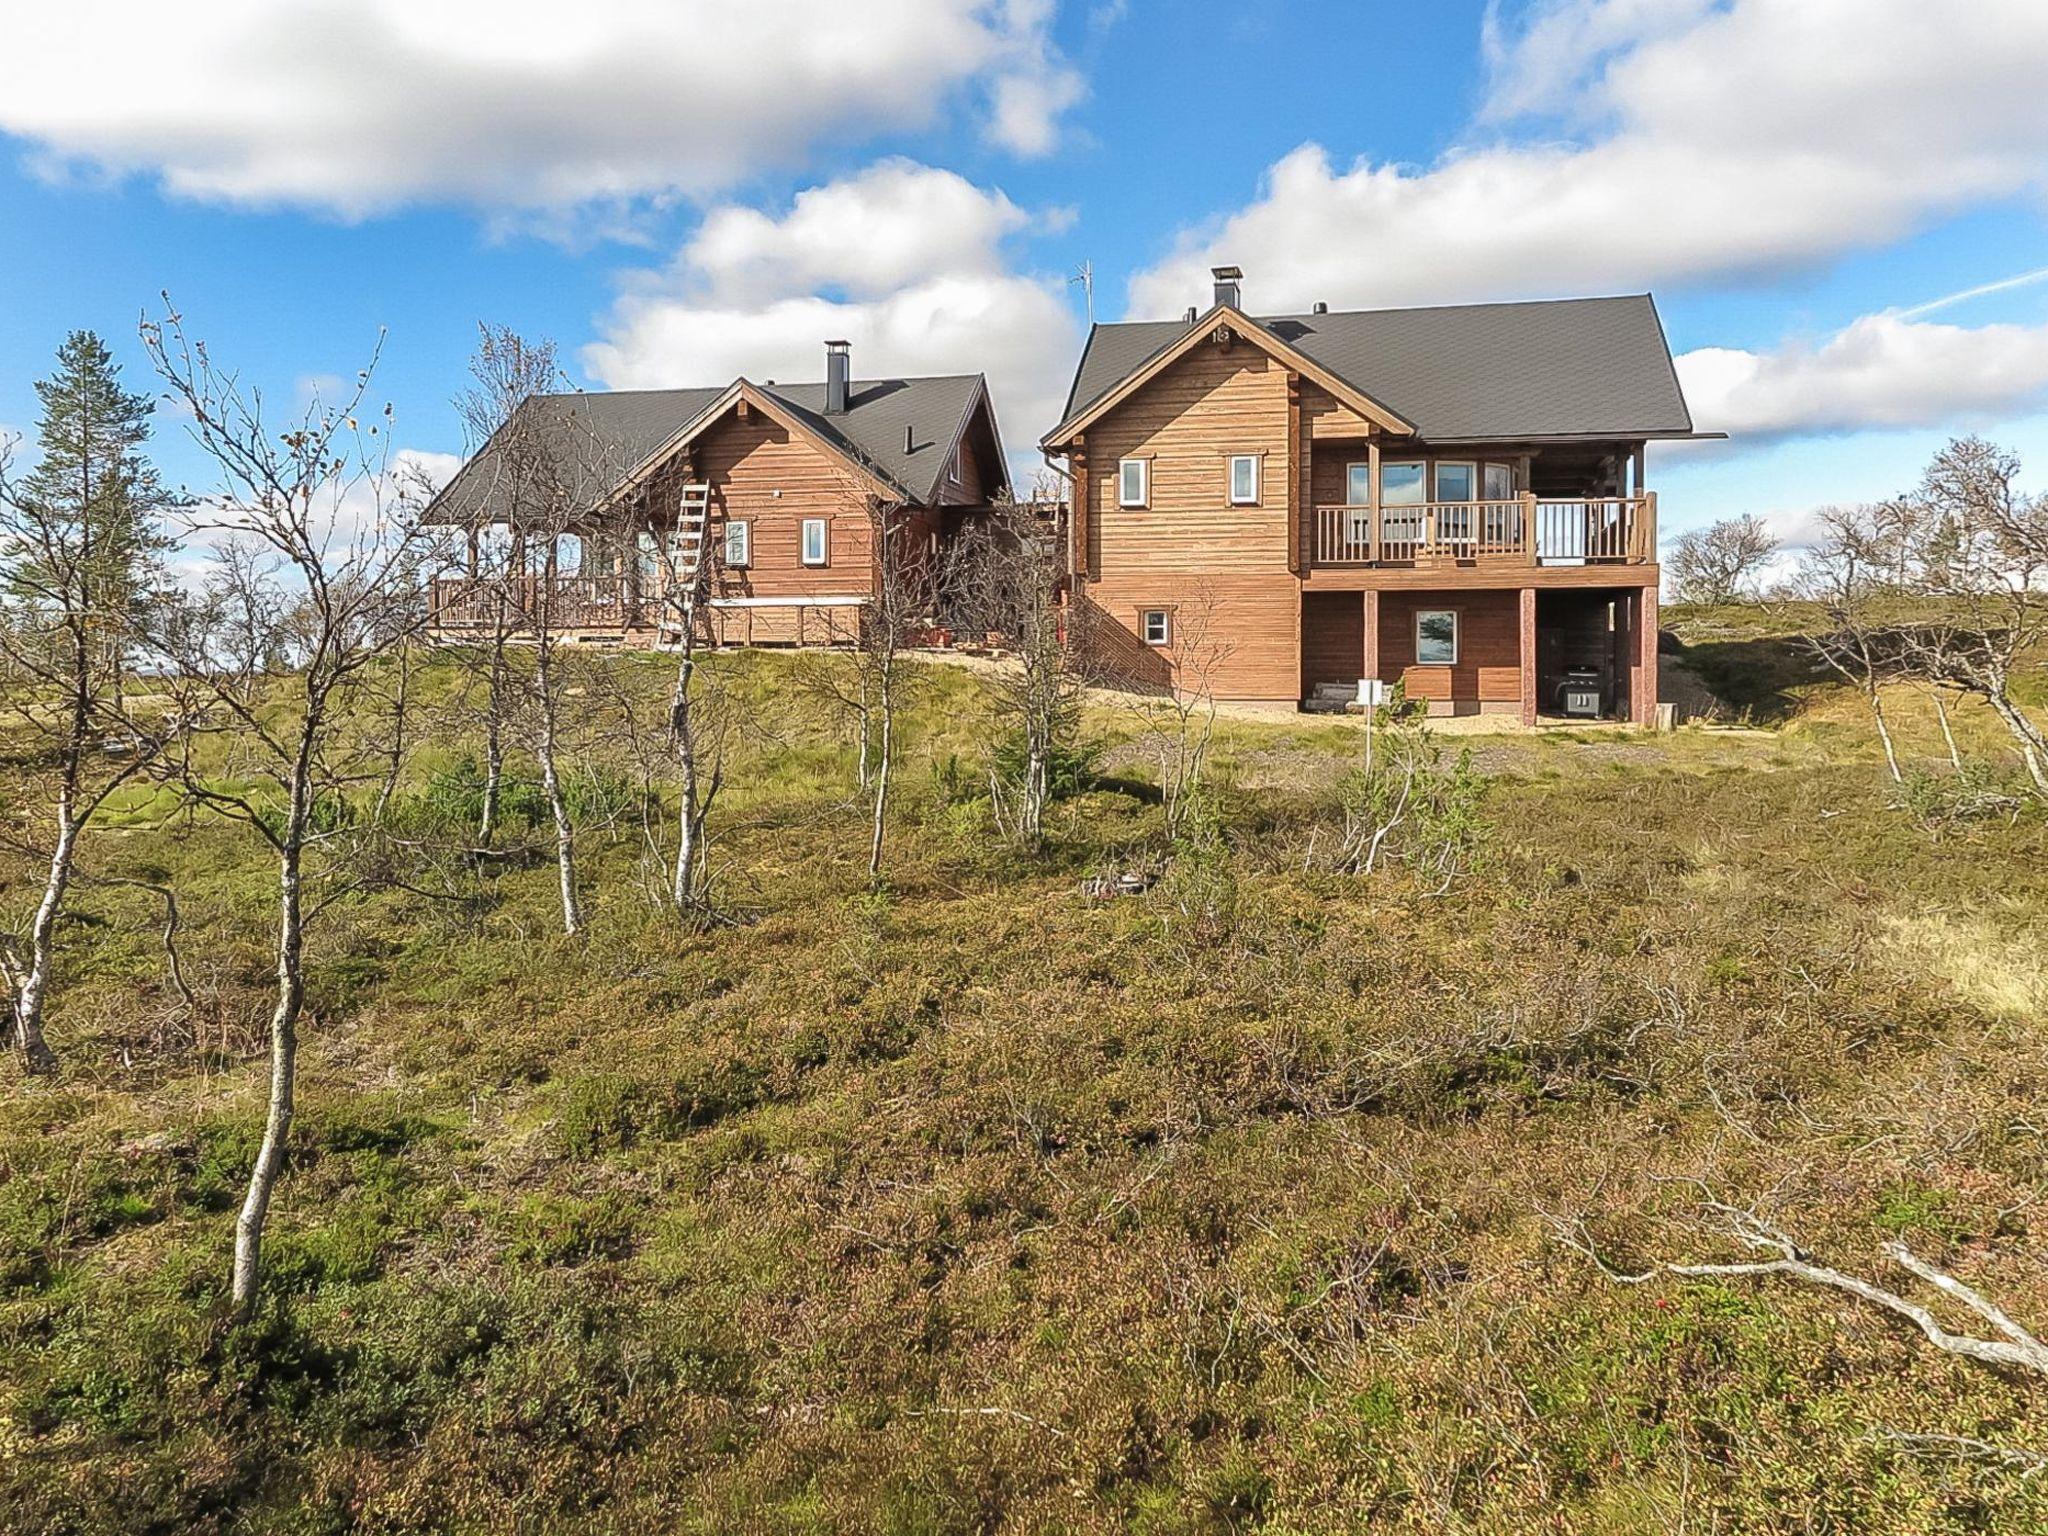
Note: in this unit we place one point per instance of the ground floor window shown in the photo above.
(1158, 626)
(739, 545)
(814, 541)
(1436, 637)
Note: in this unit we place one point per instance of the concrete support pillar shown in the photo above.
(1528, 655)
(1370, 663)
(1643, 669)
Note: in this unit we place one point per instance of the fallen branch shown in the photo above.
(2018, 1349)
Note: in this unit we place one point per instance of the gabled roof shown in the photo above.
(1187, 337)
(1544, 369)
(900, 432)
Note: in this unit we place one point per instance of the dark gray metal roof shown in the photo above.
(1550, 368)
(903, 430)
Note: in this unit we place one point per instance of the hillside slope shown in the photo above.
(975, 1205)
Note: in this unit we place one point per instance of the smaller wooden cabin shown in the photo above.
(584, 510)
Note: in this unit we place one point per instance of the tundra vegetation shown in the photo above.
(1591, 1130)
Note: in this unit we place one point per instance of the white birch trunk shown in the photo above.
(284, 1054)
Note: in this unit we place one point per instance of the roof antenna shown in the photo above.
(1085, 276)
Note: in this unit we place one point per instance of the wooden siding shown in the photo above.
(748, 462)
(1327, 416)
(1332, 638)
(1488, 670)
(1223, 568)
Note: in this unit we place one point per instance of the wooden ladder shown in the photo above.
(693, 518)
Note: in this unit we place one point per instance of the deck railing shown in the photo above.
(1531, 530)
(526, 602)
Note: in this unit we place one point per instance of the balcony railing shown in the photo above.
(1529, 530)
(528, 602)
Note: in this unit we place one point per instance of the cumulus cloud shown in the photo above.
(759, 294)
(1883, 371)
(1636, 142)
(506, 104)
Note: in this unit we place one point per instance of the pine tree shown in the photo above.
(96, 501)
(79, 557)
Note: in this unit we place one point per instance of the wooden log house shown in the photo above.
(1317, 507)
(591, 502)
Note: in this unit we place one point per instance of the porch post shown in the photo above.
(1372, 633)
(1528, 655)
(1643, 688)
(1372, 496)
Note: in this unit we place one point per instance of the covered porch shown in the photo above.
(1585, 650)
(1424, 506)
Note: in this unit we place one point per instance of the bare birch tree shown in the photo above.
(541, 476)
(506, 370)
(1722, 562)
(1847, 576)
(1983, 560)
(267, 664)
(1179, 719)
(79, 547)
(903, 598)
(1004, 583)
(697, 720)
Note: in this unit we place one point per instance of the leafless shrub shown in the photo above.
(1721, 563)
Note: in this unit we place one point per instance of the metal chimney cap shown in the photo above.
(1226, 274)
(1320, 308)
(838, 346)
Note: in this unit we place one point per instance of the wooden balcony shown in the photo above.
(1522, 530)
(525, 603)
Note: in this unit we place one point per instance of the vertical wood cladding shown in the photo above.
(1222, 568)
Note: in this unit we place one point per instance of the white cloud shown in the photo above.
(1883, 371)
(759, 296)
(1679, 141)
(506, 104)
(1028, 98)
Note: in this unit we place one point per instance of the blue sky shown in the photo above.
(681, 190)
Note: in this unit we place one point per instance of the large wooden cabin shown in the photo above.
(1318, 507)
(588, 499)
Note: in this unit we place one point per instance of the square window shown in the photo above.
(814, 541)
(1158, 626)
(739, 545)
(1401, 485)
(1244, 479)
(1133, 482)
(1436, 637)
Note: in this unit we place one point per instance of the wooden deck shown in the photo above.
(1525, 531)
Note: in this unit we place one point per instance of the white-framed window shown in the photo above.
(1133, 482)
(1358, 485)
(1403, 490)
(1436, 637)
(568, 555)
(739, 544)
(1455, 480)
(1502, 524)
(1157, 626)
(1401, 483)
(1244, 479)
(814, 541)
